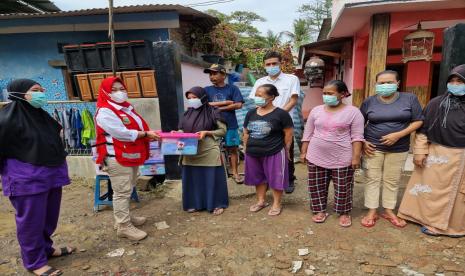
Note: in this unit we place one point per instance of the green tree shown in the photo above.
(242, 22)
(314, 13)
(301, 34)
(221, 16)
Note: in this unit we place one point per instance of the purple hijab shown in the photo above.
(202, 118)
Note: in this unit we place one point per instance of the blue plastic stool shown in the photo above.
(107, 199)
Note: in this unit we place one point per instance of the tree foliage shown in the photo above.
(301, 34)
(314, 13)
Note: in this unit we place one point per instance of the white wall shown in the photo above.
(193, 75)
(338, 5)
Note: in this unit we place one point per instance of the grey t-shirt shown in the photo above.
(385, 118)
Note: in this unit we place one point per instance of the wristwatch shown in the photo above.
(145, 133)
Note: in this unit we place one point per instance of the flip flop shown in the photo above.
(64, 252)
(238, 179)
(51, 272)
(191, 210)
(345, 225)
(321, 220)
(257, 207)
(369, 225)
(274, 212)
(393, 221)
(426, 231)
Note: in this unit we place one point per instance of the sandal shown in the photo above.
(218, 211)
(394, 221)
(370, 223)
(320, 217)
(274, 212)
(238, 179)
(257, 207)
(64, 251)
(426, 231)
(347, 221)
(51, 272)
(191, 210)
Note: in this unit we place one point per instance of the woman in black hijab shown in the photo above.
(34, 170)
(204, 185)
(435, 195)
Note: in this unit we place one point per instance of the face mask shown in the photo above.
(273, 70)
(456, 89)
(119, 96)
(330, 100)
(259, 101)
(37, 100)
(386, 90)
(194, 103)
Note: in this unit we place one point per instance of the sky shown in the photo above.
(279, 14)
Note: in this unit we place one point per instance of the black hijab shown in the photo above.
(445, 116)
(29, 134)
(202, 118)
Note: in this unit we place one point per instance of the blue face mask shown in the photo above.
(456, 89)
(386, 89)
(273, 70)
(194, 103)
(330, 100)
(259, 101)
(37, 100)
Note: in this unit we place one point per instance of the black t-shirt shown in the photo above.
(266, 136)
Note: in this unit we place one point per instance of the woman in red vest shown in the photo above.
(122, 146)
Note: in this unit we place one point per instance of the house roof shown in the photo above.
(353, 16)
(186, 13)
(330, 44)
(27, 6)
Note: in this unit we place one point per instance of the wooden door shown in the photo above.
(131, 80)
(85, 91)
(95, 80)
(148, 83)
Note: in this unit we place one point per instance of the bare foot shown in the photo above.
(218, 211)
(63, 251)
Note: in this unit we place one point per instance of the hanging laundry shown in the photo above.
(88, 128)
(76, 128)
(66, 128)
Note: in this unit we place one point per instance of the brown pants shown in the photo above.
(123, 179)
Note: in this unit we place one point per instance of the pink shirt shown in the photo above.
(331, 136)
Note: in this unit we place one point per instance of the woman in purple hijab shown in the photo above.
(33, 169)
(204, 185)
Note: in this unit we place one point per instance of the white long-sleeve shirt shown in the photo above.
(112, 124)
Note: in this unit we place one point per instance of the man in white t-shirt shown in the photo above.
(288, 87)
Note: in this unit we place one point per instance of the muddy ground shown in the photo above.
(235, 243)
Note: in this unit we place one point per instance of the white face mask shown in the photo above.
(119, 96)
(194, 103)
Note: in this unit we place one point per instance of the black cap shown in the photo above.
(215, 68)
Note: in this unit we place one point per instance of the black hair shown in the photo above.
(272, 54)
(270, 89)
(392, 72)
(341, 87)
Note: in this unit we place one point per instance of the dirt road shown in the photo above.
(235, 243)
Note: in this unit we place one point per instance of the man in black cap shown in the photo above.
(227, 98)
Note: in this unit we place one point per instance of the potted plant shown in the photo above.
(220, 43)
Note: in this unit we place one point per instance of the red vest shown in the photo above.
(127, 154)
